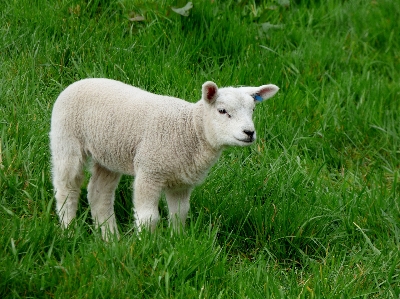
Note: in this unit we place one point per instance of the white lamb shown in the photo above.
(168, 145)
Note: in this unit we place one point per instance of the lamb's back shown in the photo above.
(111, 118)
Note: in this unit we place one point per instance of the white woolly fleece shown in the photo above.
(168, 144)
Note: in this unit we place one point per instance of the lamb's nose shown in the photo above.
(249, 133)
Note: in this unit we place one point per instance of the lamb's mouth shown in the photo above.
(246, 140)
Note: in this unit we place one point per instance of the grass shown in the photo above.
(311, 210)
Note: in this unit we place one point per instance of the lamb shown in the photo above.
(166, 143)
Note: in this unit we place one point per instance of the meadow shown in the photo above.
(311, 210)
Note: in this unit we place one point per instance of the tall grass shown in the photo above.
(311, 210)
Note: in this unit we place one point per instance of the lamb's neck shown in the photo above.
(198, 122)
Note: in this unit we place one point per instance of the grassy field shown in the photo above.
(312, 210)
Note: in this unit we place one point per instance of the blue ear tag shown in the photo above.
(258, 98)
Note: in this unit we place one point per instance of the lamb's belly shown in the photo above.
(186, 179)
(114, 160)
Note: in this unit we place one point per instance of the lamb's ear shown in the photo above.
(265, 92)
(210, 92)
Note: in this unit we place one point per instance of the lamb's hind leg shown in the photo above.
(67, 168)
(101, 194)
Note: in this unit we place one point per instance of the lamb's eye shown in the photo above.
(223, 111)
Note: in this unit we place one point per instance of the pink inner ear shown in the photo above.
(266, 90)
(211, 90)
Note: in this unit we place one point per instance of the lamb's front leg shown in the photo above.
(145, 200)
(178, 205)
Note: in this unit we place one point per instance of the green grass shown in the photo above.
(312, 210)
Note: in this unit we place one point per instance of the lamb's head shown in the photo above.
(228, 113)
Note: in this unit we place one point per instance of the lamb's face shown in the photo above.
(228, 113)
(230, 118)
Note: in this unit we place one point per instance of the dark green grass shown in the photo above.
(311, 210)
